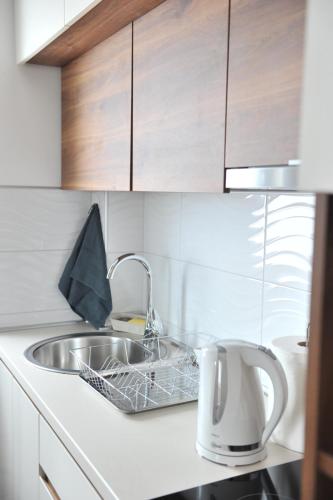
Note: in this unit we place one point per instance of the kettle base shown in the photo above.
(231, 460)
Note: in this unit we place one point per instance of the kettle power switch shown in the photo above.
(267, 351)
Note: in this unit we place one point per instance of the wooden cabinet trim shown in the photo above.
(105, 19)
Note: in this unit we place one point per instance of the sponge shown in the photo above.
(137, 321)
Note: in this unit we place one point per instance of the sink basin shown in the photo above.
(54, 354)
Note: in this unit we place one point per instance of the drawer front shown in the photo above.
(63, 473)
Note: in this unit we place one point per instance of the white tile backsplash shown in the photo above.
(125, 222)
(41, 219)
(225, 232)
(162, 224)
(29, 281)
(289, 240)
(285, 312)
(219, 303)
(38, 228)
(235, 265)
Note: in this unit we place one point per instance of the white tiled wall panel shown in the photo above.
(285, 312)
(38, 228)
(41, 219)
(224, 232)
(125, 222)
(162, 224)
(235, 265)
(289, 240)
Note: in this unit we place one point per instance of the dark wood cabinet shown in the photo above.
(179, 93)
(264, 82)
(96, 116)
(317, 481)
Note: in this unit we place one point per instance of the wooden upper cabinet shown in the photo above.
(96, 116)
(179, 91)
(264, 82)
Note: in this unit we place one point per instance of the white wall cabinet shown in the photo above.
(19, 437)
(39, 22)
(30, 117)
(316, 171)
(74, 9)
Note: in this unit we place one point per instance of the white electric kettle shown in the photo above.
(231, 415)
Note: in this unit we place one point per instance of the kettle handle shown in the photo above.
(264, 358)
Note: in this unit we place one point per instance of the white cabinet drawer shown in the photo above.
(63, 473)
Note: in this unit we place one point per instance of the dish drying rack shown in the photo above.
(167, 374)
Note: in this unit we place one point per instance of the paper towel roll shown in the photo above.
(293, 357)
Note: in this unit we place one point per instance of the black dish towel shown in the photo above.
(83, 282)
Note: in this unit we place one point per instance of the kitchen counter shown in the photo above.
(130, 457)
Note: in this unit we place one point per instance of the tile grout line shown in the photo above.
(106, 210)
(143, 286)
(263, 273)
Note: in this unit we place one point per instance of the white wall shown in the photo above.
(38, 228)
(235, 265)
(30, 115)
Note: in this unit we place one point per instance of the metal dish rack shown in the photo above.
(167, 374)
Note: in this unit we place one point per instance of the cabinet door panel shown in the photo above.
(264, 82)
(26, 446)
(179, 86)
(96, 116)
(64, 474)
(6, 434)
(19, 448)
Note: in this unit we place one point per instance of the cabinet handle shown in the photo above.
(48, 485)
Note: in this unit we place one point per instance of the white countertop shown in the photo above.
(128, 457)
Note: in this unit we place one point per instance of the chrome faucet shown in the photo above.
(154, 325)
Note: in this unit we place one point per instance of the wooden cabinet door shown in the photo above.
(96, 116)
(179, 87)
(264, 82)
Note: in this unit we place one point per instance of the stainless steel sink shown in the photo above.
(54, 354)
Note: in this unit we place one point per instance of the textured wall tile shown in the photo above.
(285, 312)
(289, 240)
(162, 219)
(224, 232)
(125, 222)
(41, 219)
(220, 303)
(29, 281)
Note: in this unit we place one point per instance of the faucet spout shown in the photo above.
(153, 326)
